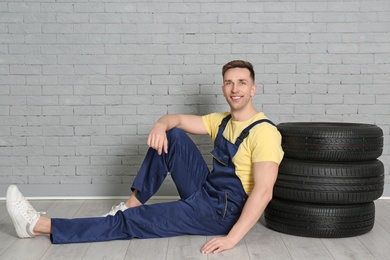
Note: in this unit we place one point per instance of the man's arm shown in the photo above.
(189, 123)
(265, 175)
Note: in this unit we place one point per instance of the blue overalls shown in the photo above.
(210, 203)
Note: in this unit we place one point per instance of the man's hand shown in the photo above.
(157, 139)
(217, 245)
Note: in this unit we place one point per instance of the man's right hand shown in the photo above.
(157, 138)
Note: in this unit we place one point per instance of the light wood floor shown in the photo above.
(260, 242)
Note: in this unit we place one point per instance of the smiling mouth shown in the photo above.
(236, 98)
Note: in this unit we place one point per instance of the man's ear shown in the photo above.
(253, 90)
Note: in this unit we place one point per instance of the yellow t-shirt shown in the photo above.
(262, 144)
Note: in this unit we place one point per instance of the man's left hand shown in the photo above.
(217, 245)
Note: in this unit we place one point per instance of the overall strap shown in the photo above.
(245, 132)
(225, 121)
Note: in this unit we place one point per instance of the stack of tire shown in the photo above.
(328, 180)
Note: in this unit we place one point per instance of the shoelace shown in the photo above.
(117, 207)
(31, 213)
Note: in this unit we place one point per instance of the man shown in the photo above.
(227, 201)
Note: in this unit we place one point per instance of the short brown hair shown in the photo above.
(239, 64)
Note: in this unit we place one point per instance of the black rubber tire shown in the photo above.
(331, 141)
(318, 220)
(329, 182)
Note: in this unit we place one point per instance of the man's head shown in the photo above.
(239, 64)
(238, 86)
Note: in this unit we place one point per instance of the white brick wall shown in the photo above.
(82, 82)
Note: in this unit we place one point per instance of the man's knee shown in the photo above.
(176, 134)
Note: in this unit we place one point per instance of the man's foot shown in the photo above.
(23, 215)
(115, 209)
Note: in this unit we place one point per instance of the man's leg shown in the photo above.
(193, 216)
(184, 162)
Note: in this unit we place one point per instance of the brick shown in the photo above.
(25, 69)
(311, 6)
(121, 130)
(377, 89)
(280, 68)
(24, 28)
(60, 170)
(279, 48)
(357, 58)
(120, 7)
(91, 150)
(151, 109)
(27, 150)
(57, 110)
(43, 120)
(75, 141)
(84, 28)
(57, 130)
(309, 109)
(88, 7)
(278, 27)
(348, 79)
(11, 18)
(374, 27)
(25, 110)
(105, 160)
(12, 100)
(343, 48)
(295, 99)
(312, 68)
(279, 7)
(329, 17)
(379, 6)
(311, 88)
(90, 171)
(52, 151)
(12, 141)
(74, 160)
(374, 48)
(374, 109)
(74, 18)
(344, 69)
(56, 7)
(12, 38)
(341, 109)
(279, 88)
(344, 6)
(344, 89)
(327, 99)
(44, 141)
(326, 37)
(39, 18)
(293, 78)
(26, 131)
(106, 100)
(140, 99)
(89, 110)
(325, 78)
(75, 179)
(75, 120)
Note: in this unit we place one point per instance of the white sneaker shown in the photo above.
(114, 209)
(23, 215)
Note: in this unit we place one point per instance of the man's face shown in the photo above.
(238, 88)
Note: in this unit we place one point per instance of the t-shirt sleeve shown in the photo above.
(207, 121)
(266, 144)
(212, 122)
